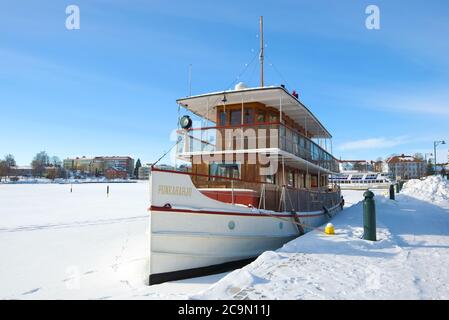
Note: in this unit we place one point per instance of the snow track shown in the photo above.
(76, 224)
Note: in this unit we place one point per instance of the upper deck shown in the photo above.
(273, 98)
(258, 120)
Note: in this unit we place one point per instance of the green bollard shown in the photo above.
(369, 216)
(397, 187)
(391, 192)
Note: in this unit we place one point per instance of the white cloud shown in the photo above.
(373, 143)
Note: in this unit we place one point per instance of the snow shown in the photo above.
(409, 260)
(432, 189)
(84, 245)
(56, 244)
(34, 180)
(407, 158)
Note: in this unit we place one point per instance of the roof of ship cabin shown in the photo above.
(273, 96)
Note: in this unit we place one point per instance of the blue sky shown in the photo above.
(110, 87)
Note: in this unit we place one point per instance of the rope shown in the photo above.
(178, 141)
(294, 222)
(271, 64)
(238, 77)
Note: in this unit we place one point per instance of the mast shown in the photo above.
(261, 52)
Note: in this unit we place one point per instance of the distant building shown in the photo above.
(120, 163)
(81, 164)
(144, 172)
(406, 167)
(378, 166)
(100, 165)
(112, 173)
(68, 164)
(24, 171)
(165, 167)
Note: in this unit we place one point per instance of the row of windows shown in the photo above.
(235, 117)
(233, 170)
(367, 181)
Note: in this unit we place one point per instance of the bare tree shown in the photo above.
(52, 173)
(419, 156)
(55, 161)
(3, 169)
(40, 161)
(10, 161)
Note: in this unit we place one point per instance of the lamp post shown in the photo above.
(426, 169)
(435, 144)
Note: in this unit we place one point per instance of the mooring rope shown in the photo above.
(178, 141)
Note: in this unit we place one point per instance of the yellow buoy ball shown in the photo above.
(329, 229)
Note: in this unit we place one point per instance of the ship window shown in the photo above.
(236, 117)
(260, 117)
(249, 116)
(290, 179)
(314, 182)
(228, 170)
(222, 118)
(270, 179)
(273, 118)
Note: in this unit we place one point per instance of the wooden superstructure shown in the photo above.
(249, 127)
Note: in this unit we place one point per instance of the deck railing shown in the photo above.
(255, 136)
(270, 196)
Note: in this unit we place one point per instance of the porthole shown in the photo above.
(231, 225)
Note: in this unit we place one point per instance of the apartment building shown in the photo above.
(100, 165)
(406, 167)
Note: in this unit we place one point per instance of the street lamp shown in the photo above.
(435, 144)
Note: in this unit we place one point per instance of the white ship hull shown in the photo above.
(193, 235)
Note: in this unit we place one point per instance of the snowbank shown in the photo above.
(431, 189)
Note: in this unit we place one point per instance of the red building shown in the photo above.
(112, 173)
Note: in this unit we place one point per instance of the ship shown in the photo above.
(257, 176)
(355, 180)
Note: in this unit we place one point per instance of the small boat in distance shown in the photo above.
(258, 178)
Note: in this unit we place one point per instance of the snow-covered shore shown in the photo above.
(409, 260)
(84, 245)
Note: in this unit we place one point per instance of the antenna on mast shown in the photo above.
(261, 51)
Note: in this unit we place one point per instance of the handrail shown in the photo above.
(257, 125)
(208, 176)
(305, 199)
(226, 178)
